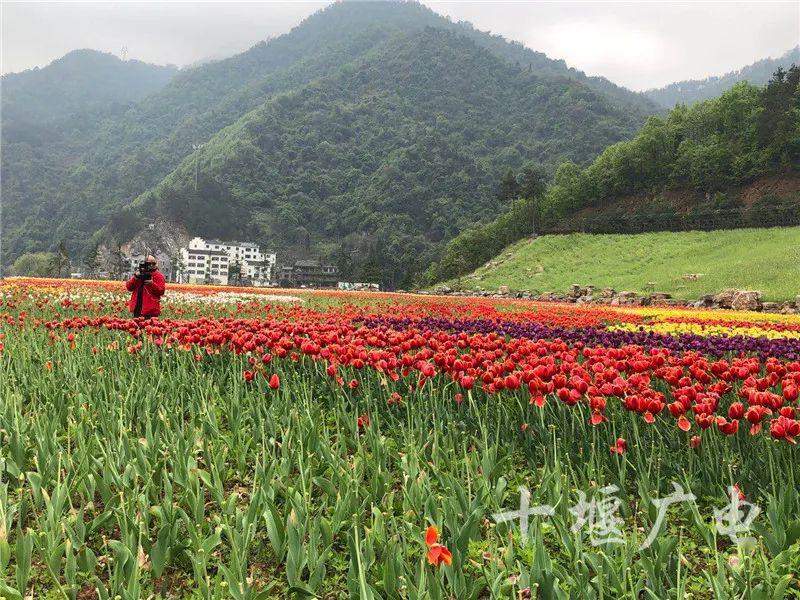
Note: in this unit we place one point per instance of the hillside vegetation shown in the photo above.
(72, 195)
(696, 90)
(404, 146)
(683, 171)
(762, 259)
(81, 83)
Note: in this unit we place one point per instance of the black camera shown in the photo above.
(145, 270)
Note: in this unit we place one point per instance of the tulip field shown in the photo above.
(253, 444)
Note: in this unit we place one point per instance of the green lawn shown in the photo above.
(761, 259)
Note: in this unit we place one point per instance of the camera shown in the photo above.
(145, 270)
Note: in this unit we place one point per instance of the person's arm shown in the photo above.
(157, 285)
(130, 285)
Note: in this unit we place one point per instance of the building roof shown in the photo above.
(306, 263)
(216, 242)
(207, 252)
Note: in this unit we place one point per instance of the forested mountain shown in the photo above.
(311, 142)
(691, 91)
(402, 147)
(729, 162)
(50, 117)
(81, 84)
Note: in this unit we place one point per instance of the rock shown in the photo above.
(724, 299)
(705, 301)
(626, 297)
(660, 297)
(607, 292)
(746, 300)
(503, 290)
(771, 307)
(574, 290)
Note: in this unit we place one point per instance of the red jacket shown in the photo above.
(151, 294)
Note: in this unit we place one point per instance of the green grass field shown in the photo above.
(760, 259)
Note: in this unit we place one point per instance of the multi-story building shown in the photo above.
(221, 263)
(308, 273)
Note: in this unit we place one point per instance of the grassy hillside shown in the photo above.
(698, 168)
(762, 259)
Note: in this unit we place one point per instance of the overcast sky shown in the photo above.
(636, 44)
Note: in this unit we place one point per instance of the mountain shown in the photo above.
(725, 163)
(691, 91)
(403, 146)
(50, 117)
(328, 89)
(81, 83)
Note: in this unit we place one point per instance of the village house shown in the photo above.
(223, 263)
(308, 273)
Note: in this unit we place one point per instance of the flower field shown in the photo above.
(278, 444)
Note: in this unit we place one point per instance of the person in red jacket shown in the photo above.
(146, 286)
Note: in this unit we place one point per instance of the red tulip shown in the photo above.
(437, 553)
(274, 382)
(736, 410)
(620, 446)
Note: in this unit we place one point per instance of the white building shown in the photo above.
(217, 262)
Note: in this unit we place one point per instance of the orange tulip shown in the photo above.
(437, 553)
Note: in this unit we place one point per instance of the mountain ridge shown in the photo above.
(693, 90)
(686, 170)
(423, 81)
(76, 192)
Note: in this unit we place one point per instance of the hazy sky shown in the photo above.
(636, 44)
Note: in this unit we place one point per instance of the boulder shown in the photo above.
(503, 290)
(660, 296)
(607, 292)
(746, 300)
(705, 301)
(724, 299)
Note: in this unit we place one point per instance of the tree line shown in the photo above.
(705, 153)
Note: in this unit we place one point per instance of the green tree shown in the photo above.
(36, 264)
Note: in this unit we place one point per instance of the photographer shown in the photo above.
(146, 286)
